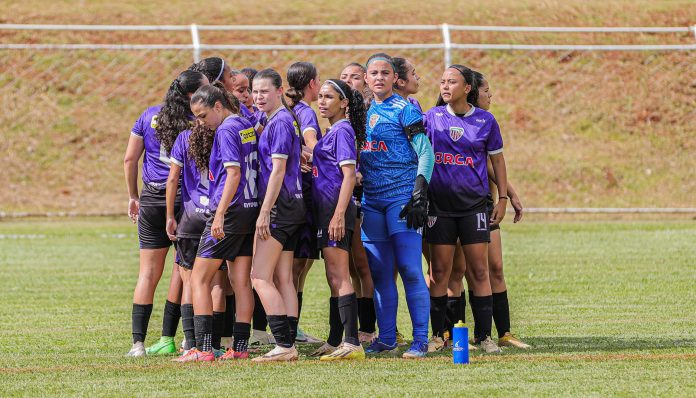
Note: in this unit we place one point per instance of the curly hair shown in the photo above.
(201, 138)
(175, 115)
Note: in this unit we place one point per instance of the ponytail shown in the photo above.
(209, 95)
(174, 117)
(357, 114)
(300, 74)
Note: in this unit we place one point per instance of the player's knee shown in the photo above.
(479, 273)
(496, 274)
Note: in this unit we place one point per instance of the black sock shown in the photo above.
(242, 331)
(259, 318)
(482, 308)
(368, 317)
(450, 314)
(204, 332)
(229, 316)
(187, 326)
(348, 310)
(335, 324)
(140, 318)
(280, 327)
(218, 327)
(170, 321)
(501, 313)
(438, 308)
(293, 320)
(299, 304)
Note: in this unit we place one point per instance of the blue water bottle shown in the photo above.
(460, 343)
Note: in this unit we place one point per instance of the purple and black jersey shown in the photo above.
(281, 139)
(235, 145)
(194, 190)
(335, 149)
(308, 120)
(459, 185)
(415, 103)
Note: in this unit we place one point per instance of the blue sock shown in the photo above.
(407, 246)
(381, 260)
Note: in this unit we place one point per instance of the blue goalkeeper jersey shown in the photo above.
(388, 162)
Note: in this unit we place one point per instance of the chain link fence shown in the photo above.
(582, 128)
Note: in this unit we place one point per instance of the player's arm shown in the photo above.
(498, 163)
(337, 226)
(275, 182)
(134, 151)
(234, 175)
(170, 196)
(512, 193)
(416, 211)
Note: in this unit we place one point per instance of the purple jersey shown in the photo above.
(335, 149)
(156, 161)
(308, 120)
(194, 190)
(415, 103)
(249, 115)
(281, 139)
(235, 146)
(459, 184)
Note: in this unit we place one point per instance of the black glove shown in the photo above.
(416, 210)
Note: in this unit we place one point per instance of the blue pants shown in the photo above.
(388, 242)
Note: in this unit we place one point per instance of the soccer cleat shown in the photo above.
(472, 347)
(345, 352)
(193, 355)
(234, 355)
(417, 350)
(278, 354)
(489, 346)
(164, 346)
(400, 339)
(138, 350)
(261, 337)
(436, 343)
(218, 353)
(325, 349)
(303, 337)
(509, 340)
(377, 346)
(365, 337)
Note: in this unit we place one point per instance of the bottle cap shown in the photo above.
(459, 324)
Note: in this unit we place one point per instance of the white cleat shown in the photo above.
(138, 350)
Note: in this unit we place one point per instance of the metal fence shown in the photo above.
(71, 91)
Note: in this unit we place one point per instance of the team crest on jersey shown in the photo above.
(431, 221)
(205, 201)
(456, 133)
(373, 120)
(210, 176)
(153, 122)
(297, 128)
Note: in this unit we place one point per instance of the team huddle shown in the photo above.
(238, 175)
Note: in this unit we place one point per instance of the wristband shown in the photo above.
(503, 197)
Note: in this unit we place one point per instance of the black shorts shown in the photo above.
(152, 222)
(323, 240)
(287, 235)
(469, 229)
(306, 246)
(187, 249)
(227, 248)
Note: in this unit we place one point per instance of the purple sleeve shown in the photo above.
(308, 119)
(139, 126)
(178, 153)
(280, 136)
(426, 124)
(231, 148)
(494, 143)
(345, 147)
(410, 115)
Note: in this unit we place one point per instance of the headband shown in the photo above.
(387, 60)
(222, 69)
(333, 83)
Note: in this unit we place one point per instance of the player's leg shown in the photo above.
(239, 276)
(151, 268)
(366, 302)
(172, 314)
(217, 293)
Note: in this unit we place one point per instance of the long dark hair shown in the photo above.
(473, 96)
(174, 117)
(300, 74)
(212, 68)
(357, 115)
(201, 139)
(401, 70)
(277, 82)
(468, 75)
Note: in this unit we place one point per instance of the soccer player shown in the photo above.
(396, 163)
(281, 216)
(333, 172)
(408, 81)
(303, 81)
(250, 73)
(154, 134)
(463, 137)
(354, 76)
(228, 235)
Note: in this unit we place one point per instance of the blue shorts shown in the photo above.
(381, 219)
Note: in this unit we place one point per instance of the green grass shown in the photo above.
(608, 306)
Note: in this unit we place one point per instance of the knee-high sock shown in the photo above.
(229, 316)
(170, 320)
(501, 313)
(260, 321)
(140, 318)
(187, 325)
(335, 324)
(407, 246)
(348, 310)
(380, 257)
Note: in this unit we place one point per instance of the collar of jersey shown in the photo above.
(388, 98)
(230, 117)
(451, 111)
(274, 113)
(339, 121)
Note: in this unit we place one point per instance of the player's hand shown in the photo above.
(216, 229)
(499, 211)
(416, 210)
(517, 205)
(171, 228)
(133, 209)
(263, 225)
(358, 178)
(337, 227)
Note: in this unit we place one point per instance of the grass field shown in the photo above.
(610, 308)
